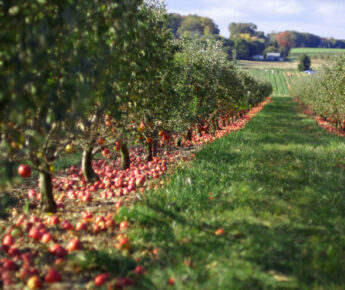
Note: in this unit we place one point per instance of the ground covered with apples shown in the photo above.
(262, 207)
(85, 244)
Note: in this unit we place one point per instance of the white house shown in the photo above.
(258, 57)
(273, 56)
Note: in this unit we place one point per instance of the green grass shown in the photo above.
(277, 77)
(278, 191)
(307, 50)
(322, 53)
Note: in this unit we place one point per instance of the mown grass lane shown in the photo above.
(276, 188)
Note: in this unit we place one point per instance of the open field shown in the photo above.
(249, 64)
(280, 79)
(319, 58)
(316, 54)
(310, 50)
(316, 63)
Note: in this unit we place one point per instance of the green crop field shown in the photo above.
(315, 52)
(309, 50)
(280, 79)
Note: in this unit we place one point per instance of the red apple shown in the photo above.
(46, 238)
(35, 234)
(13, 251)
(59, 261)
(105, 151)
(101, 279)
(9, 265)
(118, 204)
(86, 215)
(58, 250)
(24, 170)
(123, 225)
(74, 245)
(110, 223)
(171, 281)
(66, 225)
(8, 240)
(32, 194)
(34, 283)
(52, 276)
(100, 141)
(81, 226)
(219, 232)
(139, 270)
(53, 220)
(99, 219)
(123, 243)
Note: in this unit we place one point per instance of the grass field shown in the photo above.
(316, 54)
(251, 64)
(302, 50)
(280, 79)
(319, 57)
(275, 187)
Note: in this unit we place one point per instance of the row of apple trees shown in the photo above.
(324, 92)
(90, 74)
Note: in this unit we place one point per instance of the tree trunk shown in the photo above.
(189, 135)
(215, 124)
(154, 148)
(46, 190)
(149, 152)
(199, 131)
(178, 141)
(125, 160)
(86, 167)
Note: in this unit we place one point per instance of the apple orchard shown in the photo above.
(104, 81)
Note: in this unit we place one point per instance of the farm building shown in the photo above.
(258, 57)
(275, 56)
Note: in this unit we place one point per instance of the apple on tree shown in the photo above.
(24, 170)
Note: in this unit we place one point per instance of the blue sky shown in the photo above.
(321, 17)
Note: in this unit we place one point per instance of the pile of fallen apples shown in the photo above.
(34, 248)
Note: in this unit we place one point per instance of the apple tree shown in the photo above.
(42, 90)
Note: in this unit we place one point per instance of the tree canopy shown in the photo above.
(191, 25)
(304, 63)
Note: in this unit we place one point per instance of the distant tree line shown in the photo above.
(245, 40)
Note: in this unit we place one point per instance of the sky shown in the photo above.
(321, 17)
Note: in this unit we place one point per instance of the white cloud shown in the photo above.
(326, 9)
(330, 12)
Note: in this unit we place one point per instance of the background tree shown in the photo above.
(242, 28)
(194, 25)
(304, 63)
(284, 43)
(270, 48)
(191, 25)
(174, 22)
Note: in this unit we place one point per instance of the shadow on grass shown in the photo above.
(278, 196)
